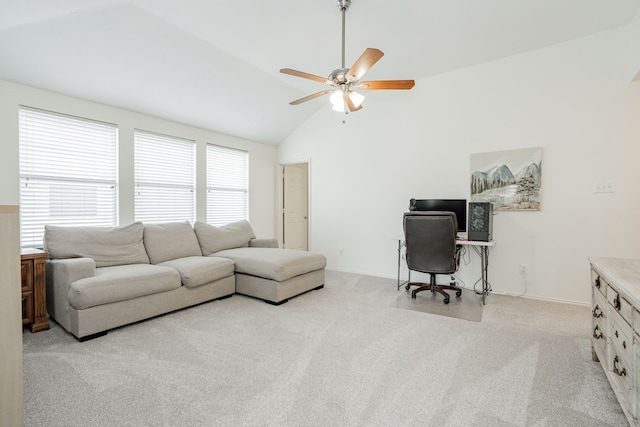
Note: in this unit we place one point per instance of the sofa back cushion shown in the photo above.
(171, 240)
(214, 239)
(107, 246)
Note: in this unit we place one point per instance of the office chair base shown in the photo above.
(434, 288)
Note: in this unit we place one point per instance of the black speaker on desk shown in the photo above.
(480, 225)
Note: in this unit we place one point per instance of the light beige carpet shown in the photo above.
(340, 356)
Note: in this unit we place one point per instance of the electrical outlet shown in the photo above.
(523, 269)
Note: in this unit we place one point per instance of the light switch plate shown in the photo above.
(604, 187)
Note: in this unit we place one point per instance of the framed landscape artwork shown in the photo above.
(509, 179)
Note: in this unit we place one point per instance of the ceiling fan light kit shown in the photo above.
(345, 81)
(338, 102)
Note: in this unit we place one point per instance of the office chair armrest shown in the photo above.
(457, 256)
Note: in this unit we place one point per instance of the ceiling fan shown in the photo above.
(345, 81)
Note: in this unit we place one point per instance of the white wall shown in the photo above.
(574, 99)
(262, 158)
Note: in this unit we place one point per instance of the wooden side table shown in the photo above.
(34, 291)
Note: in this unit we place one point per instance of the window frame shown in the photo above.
(68, 183)
(227, 184)
(163, 186)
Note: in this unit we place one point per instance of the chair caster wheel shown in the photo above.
(459, 292)
(407, 287)
(446, 297)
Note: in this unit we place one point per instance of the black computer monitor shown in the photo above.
(457, 206)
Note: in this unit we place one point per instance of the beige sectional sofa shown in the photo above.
(100, 278)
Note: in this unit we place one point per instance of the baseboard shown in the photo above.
(402, 279)
(558, 300)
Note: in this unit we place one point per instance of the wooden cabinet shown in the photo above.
(34, 292)
(615, 322)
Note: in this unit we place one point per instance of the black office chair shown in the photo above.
(431, 248)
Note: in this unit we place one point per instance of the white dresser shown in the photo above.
(615, 340)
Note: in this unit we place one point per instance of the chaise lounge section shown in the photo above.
(262, 270)
(100, 278)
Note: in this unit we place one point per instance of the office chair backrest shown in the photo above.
(431, 241)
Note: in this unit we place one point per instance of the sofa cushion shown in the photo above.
(213, 239)
(273, 263)
(107, 246)
(198, 270)
(171, 240)
(122, 282)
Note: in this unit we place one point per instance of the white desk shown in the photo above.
(481, 248)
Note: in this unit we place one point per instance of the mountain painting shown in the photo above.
(509, 179)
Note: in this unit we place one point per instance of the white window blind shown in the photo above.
(227, 185)
(164, 178)
(68, 173)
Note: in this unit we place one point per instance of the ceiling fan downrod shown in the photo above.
(343, 5)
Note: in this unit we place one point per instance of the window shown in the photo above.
(164, 178)
(227, 192)
(68, 173)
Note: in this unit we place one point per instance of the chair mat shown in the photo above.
(467, 307)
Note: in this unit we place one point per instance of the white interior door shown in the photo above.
(295, 209)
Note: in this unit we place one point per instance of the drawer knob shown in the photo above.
(621, 373)
(596, 333)
(624, 345)
(616, 333)
(597, 312)
(597, 284)
(616, 302)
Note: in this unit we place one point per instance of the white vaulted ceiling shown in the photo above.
(215, 64)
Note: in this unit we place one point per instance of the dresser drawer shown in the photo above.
(599, 345)
(621, 337)
(600, 326)
(636, 322)
(622, 380)
(598, 283)
(620, 305)
(599, 307)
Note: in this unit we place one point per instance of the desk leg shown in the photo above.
(484, 255)
(399, 250)
(400, 245)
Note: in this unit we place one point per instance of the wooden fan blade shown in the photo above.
(297, 73)
(350, 103)
(310, 97)
(387, 85)
(362, 65)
